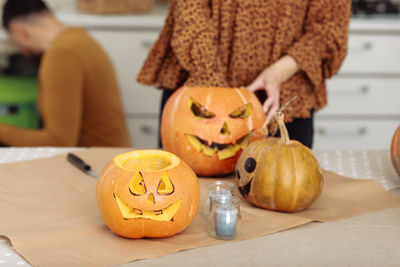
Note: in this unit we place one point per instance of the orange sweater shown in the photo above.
(78, 101)
(229, 43)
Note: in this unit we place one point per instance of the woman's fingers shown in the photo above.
(267, 107)
(269, 84)
(271, 105)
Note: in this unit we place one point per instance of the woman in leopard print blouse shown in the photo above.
(285, 47)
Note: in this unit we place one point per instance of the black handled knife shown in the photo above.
(80, 164)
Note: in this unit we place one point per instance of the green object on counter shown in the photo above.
(18, 101)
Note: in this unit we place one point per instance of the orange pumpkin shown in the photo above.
(209, 126)
(147, 193)
(278, 173)
(395, 150)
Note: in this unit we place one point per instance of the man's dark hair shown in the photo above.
(14, 9)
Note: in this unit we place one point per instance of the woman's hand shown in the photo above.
(271, 80)
(268, 81)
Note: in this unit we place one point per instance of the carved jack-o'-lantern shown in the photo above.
(209, 126)
(147, 193)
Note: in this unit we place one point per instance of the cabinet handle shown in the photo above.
(364, 47)
(362, 91)
(147, 44)
(358, 132)
(146, 129)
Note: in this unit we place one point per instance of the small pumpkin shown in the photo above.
(279, 173)
(209, 126)
(395, 150)
(147, 193)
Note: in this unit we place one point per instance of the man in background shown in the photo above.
(79, 101)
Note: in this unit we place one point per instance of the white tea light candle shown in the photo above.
(224, 217)
(225, 224)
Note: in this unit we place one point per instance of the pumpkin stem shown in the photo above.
(280, 119)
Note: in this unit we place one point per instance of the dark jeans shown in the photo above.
(301, 130)
(164, 97)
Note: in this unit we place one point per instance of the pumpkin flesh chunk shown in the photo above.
(223, 151)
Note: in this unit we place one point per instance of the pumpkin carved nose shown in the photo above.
(225, 129)
(151, 199)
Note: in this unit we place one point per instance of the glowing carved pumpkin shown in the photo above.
(395, 150)
(147, 193)
(278, 173)
(209, 126)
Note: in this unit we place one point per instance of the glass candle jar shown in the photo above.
(215, 189)
(223, 221)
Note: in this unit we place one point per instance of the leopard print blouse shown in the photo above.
(230, 42)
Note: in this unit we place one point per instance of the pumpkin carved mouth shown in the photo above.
(245, 190)
(166, 214)
(223, 151)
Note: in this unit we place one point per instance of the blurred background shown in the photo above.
(363, 110)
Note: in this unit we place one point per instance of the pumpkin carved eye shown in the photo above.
(199, 110)
(242, 112)
(165, 187)
(136, 185)
(250, 165)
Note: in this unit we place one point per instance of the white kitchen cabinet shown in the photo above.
(144, 131)
(128, 50)
(363, 99)
(363, 96)
(373, 53)
(354, 133)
